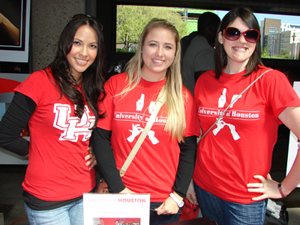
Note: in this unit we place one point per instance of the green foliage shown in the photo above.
(124, 50)
(283, 55)
(132, 19)
(284, 52)
(264, 53)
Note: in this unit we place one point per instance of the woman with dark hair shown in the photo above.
(60, 105)
(240, 105)
(164, 164)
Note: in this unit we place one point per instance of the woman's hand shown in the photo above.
(190, 194)
(102, 187)
(126, 191)
(169, 206)
(90, 159)
(268, 187)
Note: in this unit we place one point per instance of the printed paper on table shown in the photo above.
(112, 209)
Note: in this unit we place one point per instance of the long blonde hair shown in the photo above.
(173, 87)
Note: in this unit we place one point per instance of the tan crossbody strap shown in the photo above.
(161, 99)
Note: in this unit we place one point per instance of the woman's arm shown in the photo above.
(13, 31)
(104, 154)
(291, 118)
(14, 121)
(186, 165)
(183, 176)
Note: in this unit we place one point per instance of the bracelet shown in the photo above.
(280, 190)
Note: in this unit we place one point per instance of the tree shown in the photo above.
(132, 19)
(264, 53)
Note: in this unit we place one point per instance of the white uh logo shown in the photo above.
(72, 127)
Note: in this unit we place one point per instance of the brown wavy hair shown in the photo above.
(93, 77)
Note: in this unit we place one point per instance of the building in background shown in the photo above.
(280, 38)
(270, 30)
(290, 38)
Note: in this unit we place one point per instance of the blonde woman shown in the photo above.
(165, 161)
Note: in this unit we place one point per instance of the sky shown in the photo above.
(261, 16)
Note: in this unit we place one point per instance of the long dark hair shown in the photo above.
(93, 77)
(221, 57)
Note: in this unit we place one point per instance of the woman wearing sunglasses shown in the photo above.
(231, 176)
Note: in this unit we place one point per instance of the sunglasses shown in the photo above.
(232, 34)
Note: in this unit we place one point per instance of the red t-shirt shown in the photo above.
(241, 144)
(58, 143)
(154, 167)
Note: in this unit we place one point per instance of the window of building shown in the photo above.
(272, 30)
(185, 20)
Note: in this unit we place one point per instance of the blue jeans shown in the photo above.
(71, 214)
(225, 212)
(161, 219)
